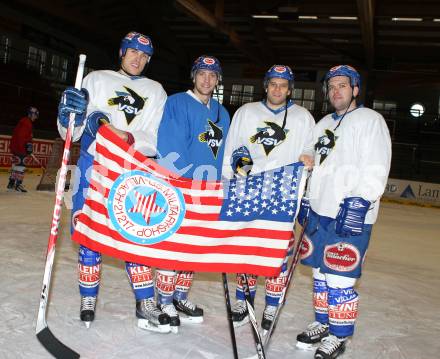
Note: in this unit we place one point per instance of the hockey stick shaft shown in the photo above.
(289, 281)
(44, 335)
(295, 258)
(38, 161)
(229, 311)
(252, 319)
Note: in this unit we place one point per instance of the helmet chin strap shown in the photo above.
(285, 116)
(218, 103)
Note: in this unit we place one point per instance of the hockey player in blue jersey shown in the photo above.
(191, 141)
(352, 162)
(132, 106)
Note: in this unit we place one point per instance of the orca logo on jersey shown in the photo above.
(129, 102)
(144, 209)
(325, 144)
(269, 137)
(213, 136)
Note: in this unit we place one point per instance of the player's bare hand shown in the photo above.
(120, 133)
(307, 160)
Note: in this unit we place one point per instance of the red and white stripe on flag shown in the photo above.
(132, 212)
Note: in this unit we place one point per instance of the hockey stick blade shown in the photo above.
(54, 346)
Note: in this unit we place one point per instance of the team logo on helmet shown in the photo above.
(128, 102)
(269, 136)
(130, 35)
(209, 61)
(335, 68)
(144, 209)
(325, 145)
(341, 257)
(143, 40)
(213, 137)
(280, 69)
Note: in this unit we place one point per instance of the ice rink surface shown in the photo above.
(399, 315)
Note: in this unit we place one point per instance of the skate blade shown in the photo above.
(263, 332)
(191, 320)
(304, 346)
(145, 324)
(174, 329)
(241, 323)
(87, 324)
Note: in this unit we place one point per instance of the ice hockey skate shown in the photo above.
(314, 333)
(331, 347)
(174, 316)
(19, 188)
(11, 184)
(240, 315)
(268, 317)
(87, 311)
(151, 318)
(189, 313)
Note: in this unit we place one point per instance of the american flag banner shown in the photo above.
(138, 211)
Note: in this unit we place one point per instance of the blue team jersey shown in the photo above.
(191, 137)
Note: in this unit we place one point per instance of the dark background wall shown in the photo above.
(28, 78)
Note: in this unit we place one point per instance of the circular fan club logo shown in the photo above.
(144, 209)
(341, 256)
(208, 61)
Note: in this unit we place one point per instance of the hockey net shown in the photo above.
(49, 177)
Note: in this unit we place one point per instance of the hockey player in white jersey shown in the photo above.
(131, 105)
(265, 135)
(352, 161)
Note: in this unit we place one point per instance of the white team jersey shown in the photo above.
(270, 146)
(133, 104)
(353, 161)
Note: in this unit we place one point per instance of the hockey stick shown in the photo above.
(295, 258)
(44, 335)
(252, 319)
(228, 310)
(38, 161)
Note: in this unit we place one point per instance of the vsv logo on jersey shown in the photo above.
(269, 137)
(213, 136)
(325, 144)
(129, 102)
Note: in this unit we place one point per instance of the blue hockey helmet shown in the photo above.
(280, 71)
(344, 70)
(137, 41)
(206, 62)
